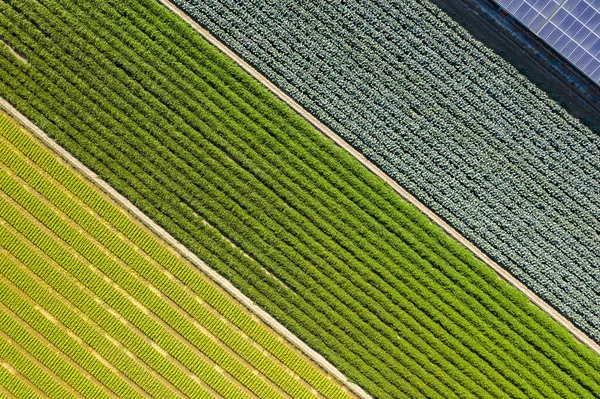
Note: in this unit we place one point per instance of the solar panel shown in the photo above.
(571, 27)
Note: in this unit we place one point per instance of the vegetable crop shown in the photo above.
(93, 304)
(299, 225)
(449, 120)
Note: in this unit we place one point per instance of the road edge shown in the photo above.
(322, 128)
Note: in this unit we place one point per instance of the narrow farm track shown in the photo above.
(321, 127)
(247, 185)
(451, 122)
(190, 348)
(20, 356)
(56, 226)
(115, 233)
(265, 317)
(188, 255)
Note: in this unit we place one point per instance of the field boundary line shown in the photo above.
(322, 128)
(190, 256)
(125, 239)
(185, 341)
(14, 52)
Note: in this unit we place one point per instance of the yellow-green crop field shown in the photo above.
(92, 304)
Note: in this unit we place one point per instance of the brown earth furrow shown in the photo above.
(5, 394)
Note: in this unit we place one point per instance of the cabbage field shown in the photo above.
(451, 122)
(296, 223)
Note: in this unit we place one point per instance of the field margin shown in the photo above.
(186, 253)
(322, 128)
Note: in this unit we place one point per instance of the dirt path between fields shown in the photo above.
(20, 57)
(190, 256)
(504, 274)
(176, 306)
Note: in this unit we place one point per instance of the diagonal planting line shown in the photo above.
(10, 369)
(43, 341)
(186, 253)
(14, 52)
(322, 128)
(149, 313)
(25, 270)
(101, 301)
(47, 371)
(5, 394)
(148, 258)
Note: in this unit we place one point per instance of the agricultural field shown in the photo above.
(450, 121)
(93, 305)
(296, 223)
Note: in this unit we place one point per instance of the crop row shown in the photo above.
(25, 309)
(333, 253)
(184, 312)
(448, 120)
(32, 371)
(202, 290)
(134, 340)
(62, 366)
(12, 386)
(191, 286)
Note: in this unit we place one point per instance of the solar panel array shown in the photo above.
(571, 27)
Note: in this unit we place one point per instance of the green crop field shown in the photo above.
(93, 304)
(296, 223)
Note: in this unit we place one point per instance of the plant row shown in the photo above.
(359, 275)
(158, 278)
(449, 121)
